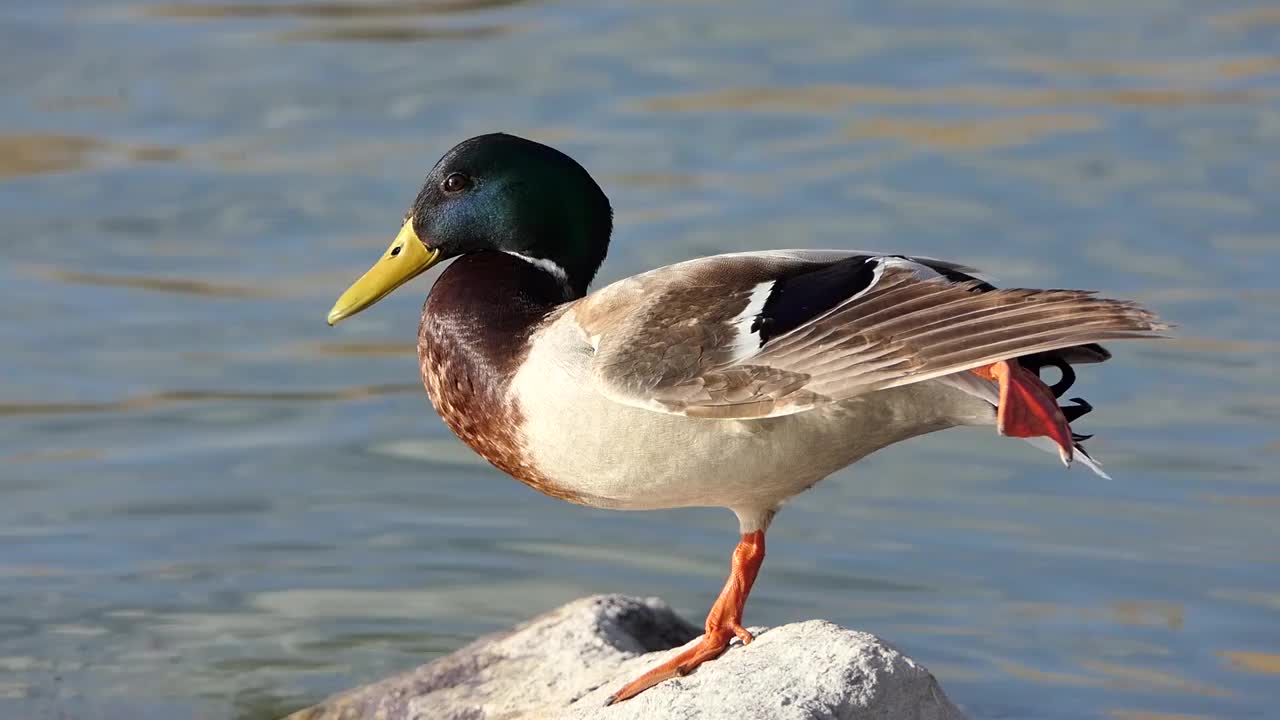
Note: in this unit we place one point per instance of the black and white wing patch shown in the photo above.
(789, 302)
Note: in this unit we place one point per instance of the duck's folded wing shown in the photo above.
(765, 334)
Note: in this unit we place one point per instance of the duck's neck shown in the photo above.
(475, 325)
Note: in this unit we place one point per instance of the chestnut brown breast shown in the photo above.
(472, 339)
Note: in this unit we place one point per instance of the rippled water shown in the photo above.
(212, 505)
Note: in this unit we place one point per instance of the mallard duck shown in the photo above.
(733, 381)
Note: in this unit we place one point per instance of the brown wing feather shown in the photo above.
(907, 330)
(903, 329)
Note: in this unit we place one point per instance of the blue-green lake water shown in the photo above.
(212, 505)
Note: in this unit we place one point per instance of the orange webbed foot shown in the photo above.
(1027, 406)
(723, 623)
(708, 648)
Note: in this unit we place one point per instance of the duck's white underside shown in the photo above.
(628, 458)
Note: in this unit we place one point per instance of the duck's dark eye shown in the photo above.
(456, 182)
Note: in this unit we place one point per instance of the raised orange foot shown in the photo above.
(724, 622)
(1027, 406)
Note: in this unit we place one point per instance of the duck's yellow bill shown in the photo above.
(406, 259)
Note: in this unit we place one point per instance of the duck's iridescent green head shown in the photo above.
(496, 193)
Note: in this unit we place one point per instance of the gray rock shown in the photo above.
(565, 664)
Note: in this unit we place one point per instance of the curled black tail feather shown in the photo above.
(1079, 407)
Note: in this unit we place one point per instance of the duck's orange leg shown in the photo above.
(1027, 406)
(724, 622)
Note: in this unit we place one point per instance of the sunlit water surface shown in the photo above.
(214, 506)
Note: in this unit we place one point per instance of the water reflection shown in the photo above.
(1152, 715)
(972, 134)
(1257, 662)
(321, 9)
(23, 155)
(185, 397)
(1149, 613)
(1045, 677)
(1180, 71)
(388, 33)
(67, 455)
(37, 154)
(827, 98)
(1133, 677)
(1245, 19)
(159, 284)
(343, 349)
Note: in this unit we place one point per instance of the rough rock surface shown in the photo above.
(565, 663)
